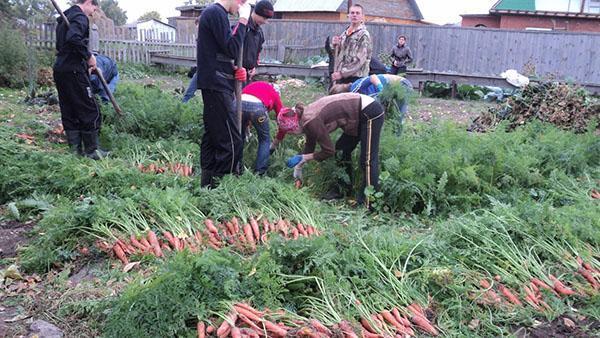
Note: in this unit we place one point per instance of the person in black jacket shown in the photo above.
(218, 46)
(80, 114)
(255, 37)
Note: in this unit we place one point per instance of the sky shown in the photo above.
(435, 11)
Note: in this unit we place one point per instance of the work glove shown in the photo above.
(294, 161)
(245, 10)
(240, 74)
(298, 172)
(379, 87)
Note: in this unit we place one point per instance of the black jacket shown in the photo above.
(217, 49)
(252, 45)
(72, 42)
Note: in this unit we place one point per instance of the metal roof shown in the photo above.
(308, 5)
(515, 5)
(370, 6)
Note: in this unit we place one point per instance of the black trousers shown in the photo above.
(78, 107)
(221, 146)
(370, 125)
(395, 70)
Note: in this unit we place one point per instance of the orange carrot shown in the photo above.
(230, 228)
(533, 302)
(400, 319)
(210, 226)
(529, 292)
(589, 267)
(153, 240)
(320, 327)
(136, 243)
(249, 308)
(235, 332)
(249, 236)
(506, 292)
(200, 328)
(165, 247)
(251, 333)
(310, 230)
(365, 323)
(266, 226)
(270, 326)
(146, 244)
(543, 285)
(225, 327)
(389, 317)
(295, 233)
(127, 248)
(120, 254)
(302, 230)
(250, 323)
(347, 329)
(255, 228)
(366, 334)
(198, 237)
(560, 287)
(236, 224)
(171, 239)
(424, 324)
(589, 277)
(210, 329)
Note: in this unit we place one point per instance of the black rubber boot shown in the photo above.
(206, 178)
(74, 141)
(91, 145)
(333, 194)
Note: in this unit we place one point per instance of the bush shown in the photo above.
(13, 57)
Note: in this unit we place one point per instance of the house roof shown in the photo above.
(134, 24)
(308, 5)
(371, 7)
(515, 5)
(528, 7)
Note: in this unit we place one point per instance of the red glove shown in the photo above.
(240, 74)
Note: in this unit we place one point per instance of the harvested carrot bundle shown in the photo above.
(560, 287)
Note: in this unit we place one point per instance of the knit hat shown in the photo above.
(264, 8)
(287, 120)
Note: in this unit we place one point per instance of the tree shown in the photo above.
(29, 9)
(113, 11)
(150, 15)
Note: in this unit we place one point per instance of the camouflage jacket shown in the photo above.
(354, 53)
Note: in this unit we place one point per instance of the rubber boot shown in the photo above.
(74, 141)
(91, 145)
(206, 178)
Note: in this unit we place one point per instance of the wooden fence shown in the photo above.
(474, 51)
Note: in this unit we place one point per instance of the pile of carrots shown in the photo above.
(177, 168)
(533, 295)
(245, 321)
(244, 237)
(394, 321)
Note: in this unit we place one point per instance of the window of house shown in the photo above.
(593, 6)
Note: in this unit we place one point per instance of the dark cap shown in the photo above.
(264, 8)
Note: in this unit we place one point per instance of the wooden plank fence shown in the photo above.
(475, 51)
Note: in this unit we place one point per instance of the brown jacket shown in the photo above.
(325, 115)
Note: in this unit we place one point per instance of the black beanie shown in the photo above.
(264, 8)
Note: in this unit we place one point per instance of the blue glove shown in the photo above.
(294, 160)
(380, 87)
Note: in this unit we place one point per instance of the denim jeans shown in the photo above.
(257, 113)
(191, 90)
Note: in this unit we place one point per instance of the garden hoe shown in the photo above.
(97, 71)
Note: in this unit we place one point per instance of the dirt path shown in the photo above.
(462, 112)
